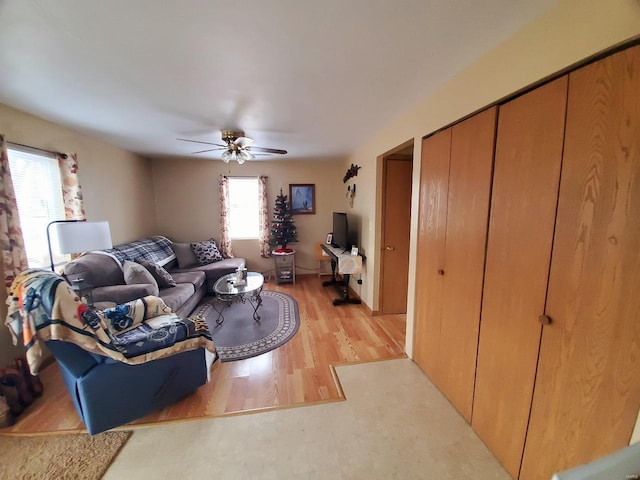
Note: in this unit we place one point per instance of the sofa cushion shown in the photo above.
(195, 277)
(164, 278)
(184, 255)
(121, 293)
(206, 252)
(176, 296)
(135, 273)
(214, 271)
(96, 269)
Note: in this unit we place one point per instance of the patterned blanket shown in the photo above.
(42, 307)
(155, 249)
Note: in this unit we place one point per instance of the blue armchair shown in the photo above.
(108, 393)
(113, 376)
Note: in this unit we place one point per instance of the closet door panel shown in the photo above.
(472, 151)
(432, 224)
(523, 209)
(587, 390)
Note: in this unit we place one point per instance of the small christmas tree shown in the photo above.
(283, 230)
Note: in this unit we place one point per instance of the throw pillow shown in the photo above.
(206, 252)
(135, 273)
(184, 255)
(164, 278)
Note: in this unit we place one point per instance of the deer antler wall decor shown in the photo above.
(352, 172)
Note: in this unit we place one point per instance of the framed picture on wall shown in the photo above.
(303, 198)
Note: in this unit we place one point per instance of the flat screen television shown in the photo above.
(340, 237)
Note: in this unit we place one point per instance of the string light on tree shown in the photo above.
(283, 230)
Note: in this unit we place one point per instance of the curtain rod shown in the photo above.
(244, 176)
(63, 155)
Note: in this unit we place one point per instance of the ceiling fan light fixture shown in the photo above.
(244, 155)
(226, 156)
(238, 155)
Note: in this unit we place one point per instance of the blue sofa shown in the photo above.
(118, 365)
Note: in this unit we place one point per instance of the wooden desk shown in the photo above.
(323, 259)
(347, 265)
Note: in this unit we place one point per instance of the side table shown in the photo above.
(285, 266)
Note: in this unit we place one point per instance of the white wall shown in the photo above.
(570, 31)
(188, 207)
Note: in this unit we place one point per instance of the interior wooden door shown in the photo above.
(472, 151)
(587, 391)
(394, 274)
(432, 224)
(523, 208)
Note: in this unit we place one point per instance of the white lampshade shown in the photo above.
(78, 237)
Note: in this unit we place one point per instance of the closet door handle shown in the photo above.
(441, 272)
(544, 319)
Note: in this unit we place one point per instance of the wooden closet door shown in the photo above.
(432, 224)
(472, 151)
(587, 391)
(523, 208)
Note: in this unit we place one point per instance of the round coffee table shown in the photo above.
(227, 293)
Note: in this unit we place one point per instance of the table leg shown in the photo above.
(333, 280)
(256, 301)
(220, 318)
(342, 286)
(343, 289)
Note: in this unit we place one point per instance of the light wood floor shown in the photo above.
(298, 373)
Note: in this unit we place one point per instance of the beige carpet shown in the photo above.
(59, 456)
(394, 424)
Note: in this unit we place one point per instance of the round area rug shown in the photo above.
(240, 336)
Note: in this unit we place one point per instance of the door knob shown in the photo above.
(389, 249)
(440, 272)
(544, 320)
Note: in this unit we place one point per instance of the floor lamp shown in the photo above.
(78, 236)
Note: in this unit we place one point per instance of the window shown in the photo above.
(243, 207)
(36, 181)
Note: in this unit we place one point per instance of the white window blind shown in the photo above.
(243, 207)
(37, 183)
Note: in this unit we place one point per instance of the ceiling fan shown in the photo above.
(238, 147)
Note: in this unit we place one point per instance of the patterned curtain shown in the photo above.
(263, 216)
(225, 242)
(71, 189)
(14, 257)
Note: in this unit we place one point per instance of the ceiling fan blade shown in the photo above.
(243, 142)
(198, 141)
(268, 150)
(209, 150)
